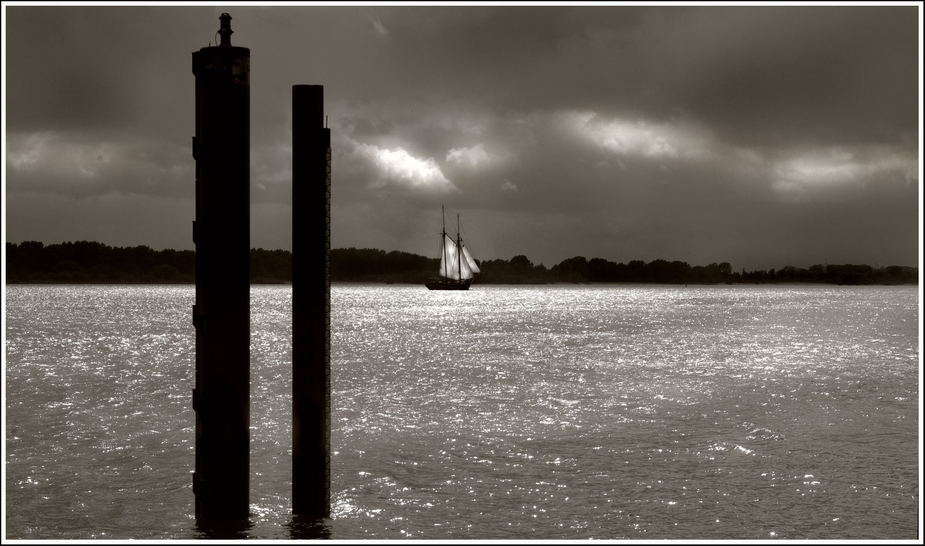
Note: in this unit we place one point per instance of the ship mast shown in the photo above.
(459, 257)
(443, 242)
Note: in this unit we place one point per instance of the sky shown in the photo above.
(763, 136)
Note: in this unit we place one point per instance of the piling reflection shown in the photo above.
(308, 528)
(223, 530)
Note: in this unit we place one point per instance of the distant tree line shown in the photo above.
(581, 270)
(90, 262)
(374, 265)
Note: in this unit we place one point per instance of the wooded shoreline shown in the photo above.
(86, 262)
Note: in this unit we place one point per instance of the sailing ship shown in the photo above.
(457, 267)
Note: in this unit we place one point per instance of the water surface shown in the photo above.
(543, 412)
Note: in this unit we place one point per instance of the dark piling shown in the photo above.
(311, 365)
(221, 313)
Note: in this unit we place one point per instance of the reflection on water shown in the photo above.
(548, 412)
(303, 528)
(297, 528)
(222, 530)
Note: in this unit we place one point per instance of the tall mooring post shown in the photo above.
(311, 301)
(221, 313)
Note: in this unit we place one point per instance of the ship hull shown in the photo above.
(445, 285)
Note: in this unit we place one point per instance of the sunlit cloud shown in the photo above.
(831, 166)
(791, 172)
(835, 167)
(50, 153)
(398, 168)
(64, 163)
(640, 137)
(25, 152)
(470, 157)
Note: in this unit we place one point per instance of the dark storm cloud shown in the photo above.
(824, 69)
(776, 74)
(763, 136)
(92, 68)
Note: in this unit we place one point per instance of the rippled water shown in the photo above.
(750, 412)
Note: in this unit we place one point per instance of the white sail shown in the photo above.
(450, 265)
(472, 265)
